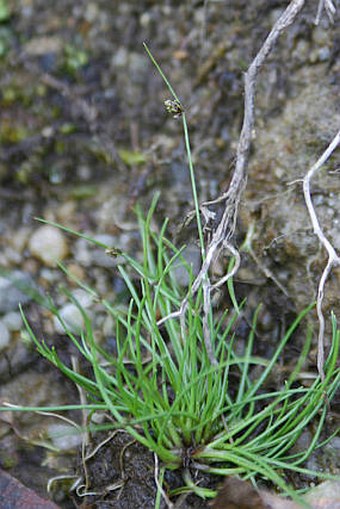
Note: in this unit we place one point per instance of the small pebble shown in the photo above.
(91, 12)
(75, 271)
(320, 36)
(38, 46)
(66, 211)
(13, 321)
(104, 238)
(101, 259)
(73, 319)
(83, 298)
(19, 240)
(4, 336)
(120, 57)
(51, 276)
(13, 290)
(108, 326)
(82, 253)
(64, 437)
(48, 244)
(192, 256)
(11, 257)
(334, 444)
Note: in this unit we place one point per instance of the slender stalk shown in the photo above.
(188, 150)
(193, 186)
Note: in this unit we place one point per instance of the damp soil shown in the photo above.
(122, 474)
(84, 138)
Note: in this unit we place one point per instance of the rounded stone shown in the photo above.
(64, 437)
(72, 318)
(192, 256)
(4, 336)
(84, 298)
(12, 320)
(48, 244)
(16, 288)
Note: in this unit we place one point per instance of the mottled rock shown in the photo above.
(285, 149)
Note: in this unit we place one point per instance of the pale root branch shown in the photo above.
(333, 257)
(330, 9)
(165, 497)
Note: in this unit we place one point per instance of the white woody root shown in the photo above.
(222, 228)
(333, 257)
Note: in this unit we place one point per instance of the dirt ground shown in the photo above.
(84, 136)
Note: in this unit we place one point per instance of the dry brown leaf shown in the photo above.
(237, 494)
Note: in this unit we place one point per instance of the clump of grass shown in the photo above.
(162, 388)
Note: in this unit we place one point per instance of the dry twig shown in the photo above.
(333, 257)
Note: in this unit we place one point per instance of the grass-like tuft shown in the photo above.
(161, 387)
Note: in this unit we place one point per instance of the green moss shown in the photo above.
(4, 11)
(74, 59)
(12, 133)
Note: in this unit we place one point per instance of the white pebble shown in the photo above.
(84, 298)
(64, 437)
(12, 321)
(48, 244)
(72, 318)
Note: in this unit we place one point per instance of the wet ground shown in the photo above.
(84, 136)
